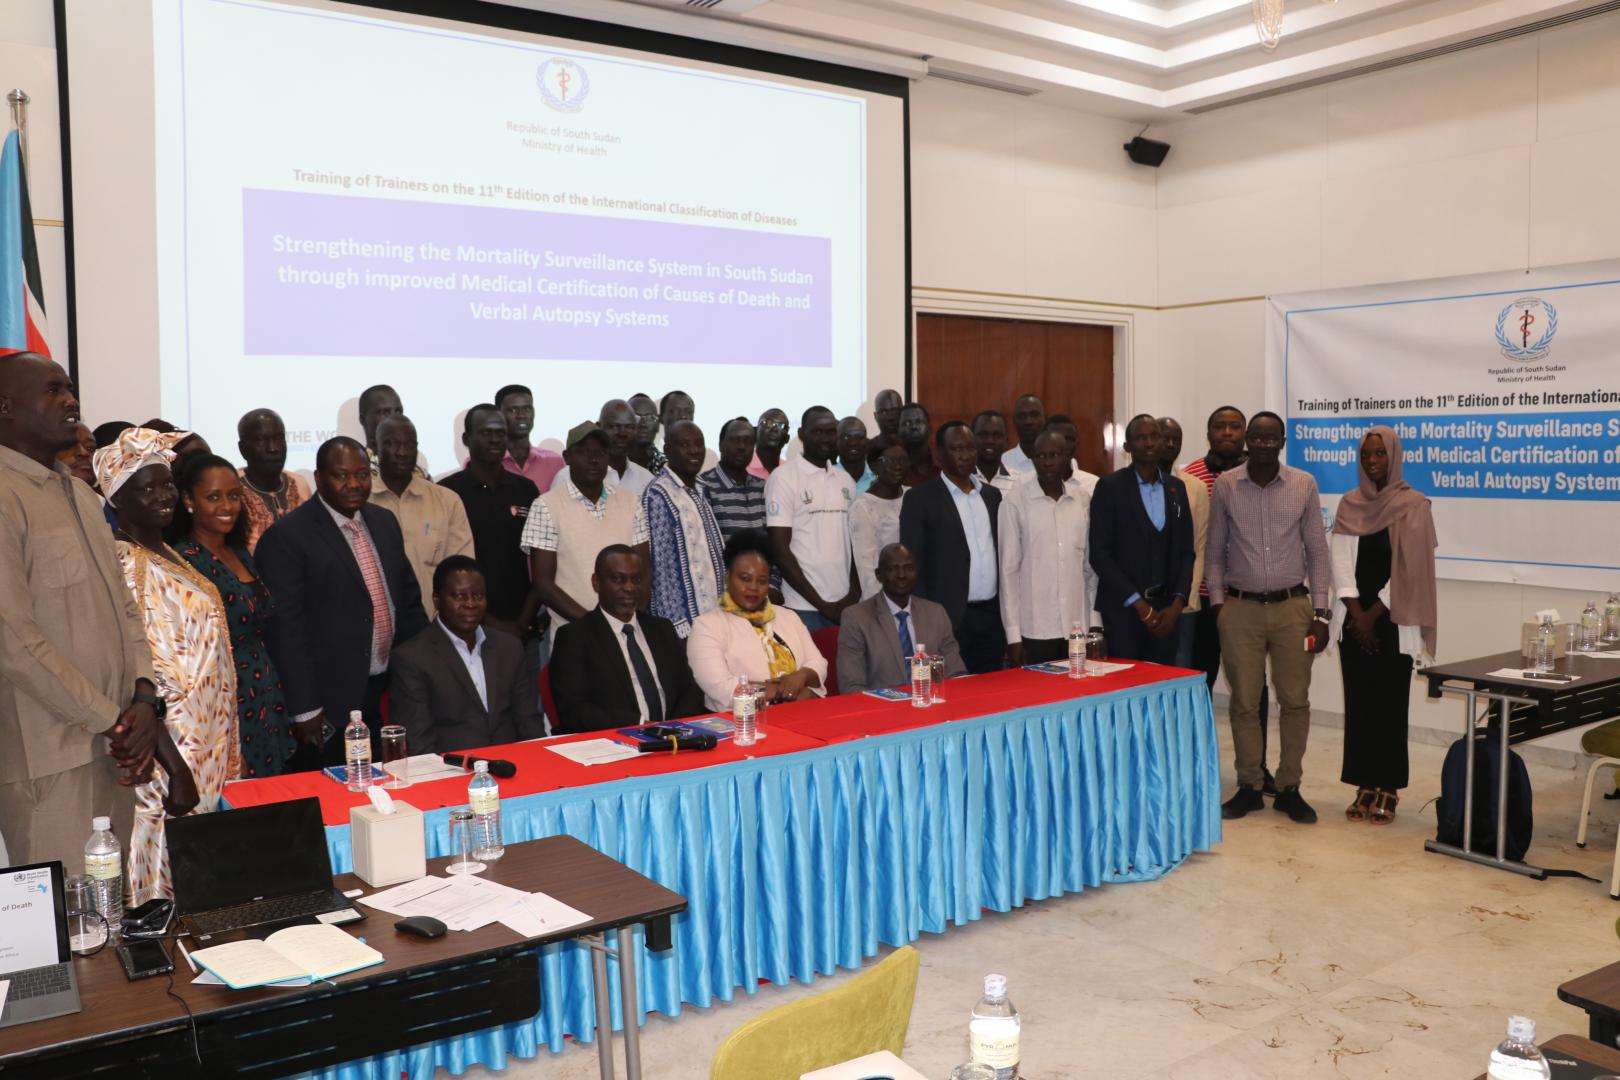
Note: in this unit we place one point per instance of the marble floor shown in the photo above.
(1336, 950)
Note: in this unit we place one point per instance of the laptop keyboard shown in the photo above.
(259, 912)
(37, 982)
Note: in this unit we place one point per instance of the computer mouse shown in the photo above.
(425, 926)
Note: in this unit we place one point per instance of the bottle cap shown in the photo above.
(995, 986)
(922, 650)
(354, 714)
(100, 824)
(1521, 1029)
(480, 766)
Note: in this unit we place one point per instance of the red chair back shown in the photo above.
(826, 640)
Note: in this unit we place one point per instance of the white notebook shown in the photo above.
(298, 952)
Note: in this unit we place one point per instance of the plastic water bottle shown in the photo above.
(1077, 651)
(922, 678)
(104, 866)
(1611, 620)
(357, 752)
(484, 796)
(1542, 648)
(993, 1031)
(1518, 1058)
(1591, 628)
(744, 713)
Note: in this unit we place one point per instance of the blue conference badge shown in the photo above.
(564, 85)
(1525, 328)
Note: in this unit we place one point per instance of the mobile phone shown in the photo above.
(144, 959)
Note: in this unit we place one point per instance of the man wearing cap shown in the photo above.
(570, 524)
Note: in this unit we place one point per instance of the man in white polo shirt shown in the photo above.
(807, 517)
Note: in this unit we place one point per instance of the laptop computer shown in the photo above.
(256, 868)
(34, 956)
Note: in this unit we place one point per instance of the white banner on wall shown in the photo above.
(1505, 390)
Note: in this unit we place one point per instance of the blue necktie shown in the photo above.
(906, 648)
(644, 676)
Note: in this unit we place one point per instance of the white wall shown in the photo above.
(1497, 158)
(28, 62)
(1492, 159)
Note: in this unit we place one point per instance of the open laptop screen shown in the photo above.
(236, 856)
(33, 917)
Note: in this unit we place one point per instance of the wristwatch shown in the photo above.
(1322, 614)
(159, 706)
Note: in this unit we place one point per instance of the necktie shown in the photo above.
(906, 648)
(382, 620)
(644, 676)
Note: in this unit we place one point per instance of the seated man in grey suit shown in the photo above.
(879, 634)
(456, 685)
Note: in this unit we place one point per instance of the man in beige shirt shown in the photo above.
(76, 698)
(432, 518)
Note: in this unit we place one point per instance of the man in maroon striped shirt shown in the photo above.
(1225, 430)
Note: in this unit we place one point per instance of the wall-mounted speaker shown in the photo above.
(1147, 151)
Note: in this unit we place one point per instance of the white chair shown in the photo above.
(1586, 808)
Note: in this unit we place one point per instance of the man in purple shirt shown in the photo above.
(1269, 581)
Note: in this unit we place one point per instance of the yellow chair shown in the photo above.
(869, 1013)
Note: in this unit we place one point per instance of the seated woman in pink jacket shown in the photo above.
(748, 635)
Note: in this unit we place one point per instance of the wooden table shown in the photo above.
(1598, 993)
(422, 991)
(1524, 710)
(1574, 1057)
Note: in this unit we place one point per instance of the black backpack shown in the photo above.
(1482, 833)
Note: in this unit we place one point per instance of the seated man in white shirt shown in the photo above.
(880, 634)
(616, 668)
(458, 685)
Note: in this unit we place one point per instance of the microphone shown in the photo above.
(497, 766)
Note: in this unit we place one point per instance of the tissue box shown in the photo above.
(1561, 643)
(388, 848)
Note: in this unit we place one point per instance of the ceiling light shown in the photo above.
(1268, 19)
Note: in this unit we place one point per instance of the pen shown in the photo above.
(190, 963)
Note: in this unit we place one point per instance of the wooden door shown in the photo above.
(966, 364)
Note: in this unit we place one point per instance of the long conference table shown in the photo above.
(854, 823)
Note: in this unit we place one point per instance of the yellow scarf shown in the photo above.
(782, 661)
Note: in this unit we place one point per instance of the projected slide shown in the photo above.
(346, 199)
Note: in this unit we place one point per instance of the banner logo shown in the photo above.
(563, 84)
(1525, 328)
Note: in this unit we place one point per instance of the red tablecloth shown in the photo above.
(790, 728)
(856, 716)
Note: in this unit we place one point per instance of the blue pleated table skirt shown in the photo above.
(797, 865)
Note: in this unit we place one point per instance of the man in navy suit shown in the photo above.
(1142, 549)
(949, 523)
(344, 596)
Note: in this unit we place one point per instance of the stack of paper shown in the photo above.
(594, 751)
(421, 768)
(466, 902)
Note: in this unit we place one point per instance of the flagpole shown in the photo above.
(18, 100)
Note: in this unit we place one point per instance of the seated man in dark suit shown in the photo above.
(616, 668)
(949, 523)
(345, 597)
(879, 635)
(457, 685)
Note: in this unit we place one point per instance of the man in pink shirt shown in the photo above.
(517, 405)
